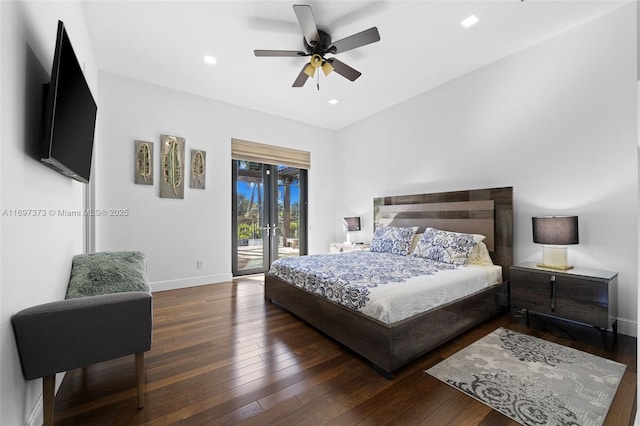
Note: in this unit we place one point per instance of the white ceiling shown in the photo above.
(422, 46)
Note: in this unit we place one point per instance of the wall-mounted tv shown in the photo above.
(70, 114)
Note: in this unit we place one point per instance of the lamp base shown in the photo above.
(559, 268)
(554, 257)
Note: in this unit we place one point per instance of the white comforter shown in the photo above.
(384, 286)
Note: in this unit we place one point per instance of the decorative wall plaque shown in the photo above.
(198, 169)
(143, 173)
(172, 167)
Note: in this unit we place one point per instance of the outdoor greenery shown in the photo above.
(250, 202)
(249, 218)
(245, 231)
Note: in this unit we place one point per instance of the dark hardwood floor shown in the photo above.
(221, 355)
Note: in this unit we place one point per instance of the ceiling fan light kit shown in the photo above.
(327, 68)
(317, 44)
(315, 62)
(309, 70)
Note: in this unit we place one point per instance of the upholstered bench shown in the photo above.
(106, 315)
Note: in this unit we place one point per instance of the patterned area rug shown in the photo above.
(533, 381)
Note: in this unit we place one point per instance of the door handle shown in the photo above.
(271, 229)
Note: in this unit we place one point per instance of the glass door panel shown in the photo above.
(288, 211)
(249, 205)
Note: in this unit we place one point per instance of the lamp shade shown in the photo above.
(327, 68)
(351, 223)
(555, 230)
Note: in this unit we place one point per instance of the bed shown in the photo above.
(390, 342)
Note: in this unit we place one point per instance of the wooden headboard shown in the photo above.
(479, 211)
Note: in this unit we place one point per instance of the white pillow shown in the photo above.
(414, 242)
(477, 238)
(480, 255)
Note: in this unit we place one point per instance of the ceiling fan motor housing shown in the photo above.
(321, 47)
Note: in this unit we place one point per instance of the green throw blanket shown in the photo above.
(107, 272)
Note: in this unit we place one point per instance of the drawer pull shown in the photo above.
(552, 282)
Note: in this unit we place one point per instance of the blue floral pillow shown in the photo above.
(392, 239)
(445, 246)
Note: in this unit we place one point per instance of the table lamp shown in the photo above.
(555, 233)
(350, 224)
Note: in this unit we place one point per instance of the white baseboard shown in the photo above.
(627, 327)
(189, 282)
(35, 417)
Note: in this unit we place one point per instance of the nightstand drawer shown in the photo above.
(583, 300)
(531, 290)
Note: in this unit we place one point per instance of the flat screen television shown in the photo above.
(70, 114)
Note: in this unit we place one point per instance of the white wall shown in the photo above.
(35, 252)
(175, 233)
(556, 121)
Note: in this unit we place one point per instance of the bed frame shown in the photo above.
(390, 346)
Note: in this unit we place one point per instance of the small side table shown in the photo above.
(345, 247)
(580, 295)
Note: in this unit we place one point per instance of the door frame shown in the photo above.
(270, 217)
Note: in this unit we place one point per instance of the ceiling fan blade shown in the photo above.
(302, 77)
(344, 70)
(360, 39)
(304, 13)
(279, 53)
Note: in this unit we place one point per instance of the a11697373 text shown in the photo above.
(64, 212)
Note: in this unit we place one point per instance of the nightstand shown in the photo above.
(345, 247)
(580, 295)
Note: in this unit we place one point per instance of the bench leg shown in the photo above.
(48, 394)
(140, 378)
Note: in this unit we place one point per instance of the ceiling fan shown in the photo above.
(317, 44)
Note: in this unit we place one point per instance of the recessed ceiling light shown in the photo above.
(471, 20)
(209, 60)
(333, 101)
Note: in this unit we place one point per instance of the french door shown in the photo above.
(269, 215)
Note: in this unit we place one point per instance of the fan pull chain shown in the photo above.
(318, 81)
